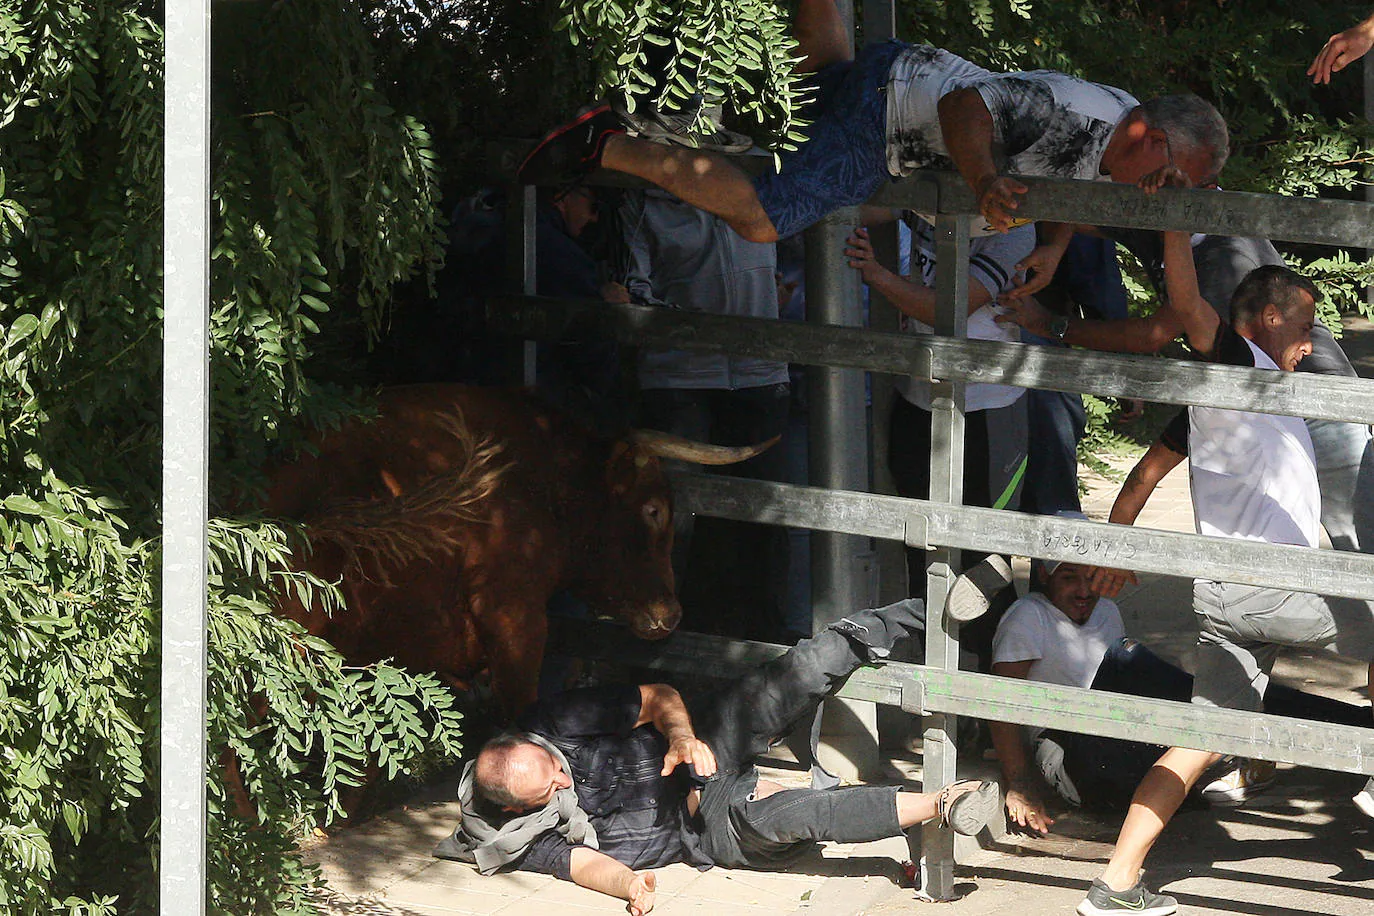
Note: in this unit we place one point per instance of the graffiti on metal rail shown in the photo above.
(1095, 550)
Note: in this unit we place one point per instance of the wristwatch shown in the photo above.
(1059, 327)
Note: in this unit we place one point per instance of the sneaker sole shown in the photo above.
(693, 142)
(1088, 908)
(1365, 803)
(971, 812)
(557, 132)
(971, 595)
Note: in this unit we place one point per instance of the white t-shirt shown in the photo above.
(992, 262)
(1060, 651)
(1253, 475)
(1045, 123)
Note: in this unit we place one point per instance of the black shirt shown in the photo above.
(640, 817)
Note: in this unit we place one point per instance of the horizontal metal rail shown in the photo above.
(922, 523)
(921, 690)
(1100, 203)
(1082, 371)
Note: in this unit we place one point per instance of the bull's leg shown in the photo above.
(514, 635)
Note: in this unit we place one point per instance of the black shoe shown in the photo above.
(1102, 900)
(571, 150)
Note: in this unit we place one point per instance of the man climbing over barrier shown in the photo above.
(605, 784)
(1253, 476)
(899, 107)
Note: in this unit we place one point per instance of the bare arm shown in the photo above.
(1153, 466)
(1200, 321)
(1022, 799)
(661, 706)
(1123, 335)
(598, 872)
(966, 125)
(1342, 49)
(910, 298)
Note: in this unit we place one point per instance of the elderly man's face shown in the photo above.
(1147, 149)
(535, 776)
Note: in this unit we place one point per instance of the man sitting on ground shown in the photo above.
(899, 107)
(1066, 634)
(605, 784)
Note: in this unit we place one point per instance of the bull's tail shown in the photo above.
(380, 536)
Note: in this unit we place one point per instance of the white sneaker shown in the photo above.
(1246, 779)
(1364, 799)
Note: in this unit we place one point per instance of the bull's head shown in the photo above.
(637, 582)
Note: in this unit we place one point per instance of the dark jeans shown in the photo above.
(1106, 771)
(746, 718)
(908, 459)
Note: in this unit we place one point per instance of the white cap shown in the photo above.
(1049, 566)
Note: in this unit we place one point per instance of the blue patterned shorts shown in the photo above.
(844, 158)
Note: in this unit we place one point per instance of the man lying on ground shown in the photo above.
(899, 107)
(1253, 477)
(605, 784)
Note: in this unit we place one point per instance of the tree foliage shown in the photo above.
(323, 198)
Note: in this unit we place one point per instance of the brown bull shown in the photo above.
(453, 518)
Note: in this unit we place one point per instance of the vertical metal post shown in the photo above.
(522, 226)
(946, 485)
(1369, 117)
(880, 20)
(840, 563)
(185, 449)
(839, 458)
(880, 24)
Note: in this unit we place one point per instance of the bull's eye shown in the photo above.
(655, 515)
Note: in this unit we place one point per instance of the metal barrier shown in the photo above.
(938, 690)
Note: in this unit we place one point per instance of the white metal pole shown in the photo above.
(185, 448)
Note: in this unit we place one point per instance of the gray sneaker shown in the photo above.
(680, 127)
(1103, 901)
(971, 594)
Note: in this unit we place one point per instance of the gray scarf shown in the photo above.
(489, 846)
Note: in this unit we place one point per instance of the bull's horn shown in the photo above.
(666, 445)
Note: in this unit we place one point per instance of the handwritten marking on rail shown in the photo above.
(1094, 549)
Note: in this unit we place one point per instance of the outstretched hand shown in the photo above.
(691, 751)
(1341, 50)
(1108, 583)
(1026, 810)
(1027, 312)
(1166, 176)
(640, 893)
(997, 199)
(1038, 267)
